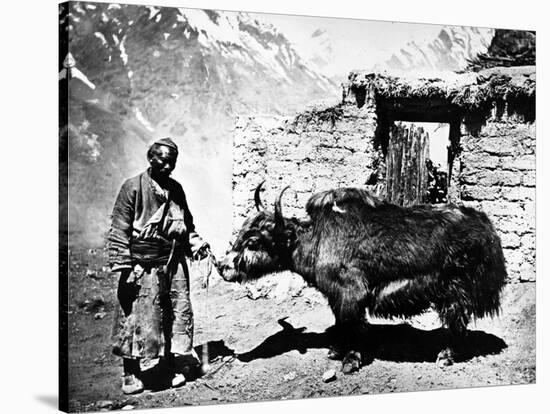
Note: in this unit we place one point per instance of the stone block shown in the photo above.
(527, 273)
(528, 242)
(476, 160)
(507, 224)
(521, 163)
(472, 192)
(332, 155)
(497, 146)
(514, 259)
(529, 216)
(518, 193)
(302, 181)
(494, 129)
(502, 208)
(323, 183)
(276, 167)
(489, 178)
(357, 143)
(510, 240)
(473, 204)
(528, 179)
(327, 139)
(318, 169)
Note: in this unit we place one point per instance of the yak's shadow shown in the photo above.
(159, 377)
(399, 343)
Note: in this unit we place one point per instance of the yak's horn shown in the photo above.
(279, 219)
(257, 201)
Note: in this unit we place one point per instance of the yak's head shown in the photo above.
(263, 245)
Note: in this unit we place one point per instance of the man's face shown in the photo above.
(163, 161)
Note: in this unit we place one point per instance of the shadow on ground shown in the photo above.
(399, 343)
(158, 378)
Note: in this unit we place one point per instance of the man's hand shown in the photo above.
(129, 275)
(203, 252)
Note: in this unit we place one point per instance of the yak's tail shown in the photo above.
(488, 268)
(473, 279)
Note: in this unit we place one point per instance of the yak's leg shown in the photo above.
(349, 312)
(345, 336)
(455, 318)
(353, 359)
(337, 347)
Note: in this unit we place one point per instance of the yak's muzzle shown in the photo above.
(227, 270)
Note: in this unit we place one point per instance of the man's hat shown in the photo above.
(167, 142)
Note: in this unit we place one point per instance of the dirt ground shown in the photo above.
(269, 342)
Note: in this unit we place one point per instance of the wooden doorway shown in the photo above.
(417, 163)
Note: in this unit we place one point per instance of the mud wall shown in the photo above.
(315, 151)
(494, 171)
(497, 175)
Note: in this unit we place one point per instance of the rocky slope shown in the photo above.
(142, 72)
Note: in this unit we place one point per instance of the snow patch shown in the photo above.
(100, 36)
(166, 36)
(225, 31)
(76, 73)
(78, 8)
(203, 40)
(130, 74)
(266, 56)
(152, 11)
(113, 6)
(104, 18)
(90, 7)
(159, 16)
(141, 118)
(123, 54)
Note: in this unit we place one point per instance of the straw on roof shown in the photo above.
(468, 90)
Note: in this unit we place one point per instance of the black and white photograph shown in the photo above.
(261, 207)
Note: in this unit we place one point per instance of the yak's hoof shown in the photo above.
(334, 353)
(445, 358)
(352, 362)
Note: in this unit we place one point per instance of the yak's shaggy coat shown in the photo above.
(362, 253)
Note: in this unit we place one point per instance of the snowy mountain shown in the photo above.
(449, 51)
(133, 73)
(140, 72)
(319, 50)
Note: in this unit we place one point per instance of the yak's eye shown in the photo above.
(252, 243)
(268, 227)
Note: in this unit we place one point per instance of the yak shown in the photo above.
(365, 254)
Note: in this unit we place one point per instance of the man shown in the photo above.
(151, 233)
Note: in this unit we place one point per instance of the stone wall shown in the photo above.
(312, 152)
(497, 175)
(322, 149)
